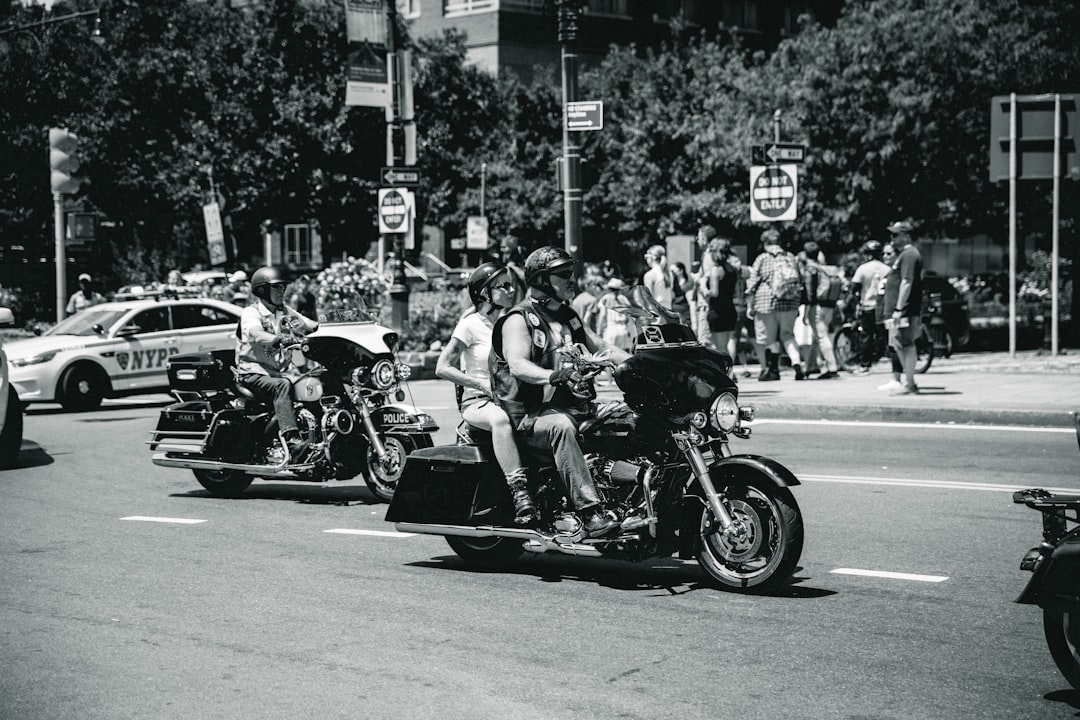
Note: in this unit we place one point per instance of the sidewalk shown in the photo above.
(1028, 389)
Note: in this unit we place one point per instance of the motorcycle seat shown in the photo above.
(244, 392)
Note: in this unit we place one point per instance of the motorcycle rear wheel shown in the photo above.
(382, 477)
(1062, 629)
(766, 556)
(492, 553)
(223, 483)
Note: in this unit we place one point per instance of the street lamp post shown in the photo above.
(569, 13)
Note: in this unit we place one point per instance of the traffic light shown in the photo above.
(63, 161)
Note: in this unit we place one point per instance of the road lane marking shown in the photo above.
(890, 575)
(375, 533)
(918, 426)
(178, 521)
(938, 484)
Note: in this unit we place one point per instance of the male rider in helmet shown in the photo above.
(259, 334)
(528, 380)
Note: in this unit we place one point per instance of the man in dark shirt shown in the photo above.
(903, 300)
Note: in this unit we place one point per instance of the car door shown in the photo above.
(202, 327)
(148, 341)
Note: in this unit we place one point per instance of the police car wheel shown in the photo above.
(82, 387)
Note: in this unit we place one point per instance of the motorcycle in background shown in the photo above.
(1055, 567)
(661, 462)
(347, 390)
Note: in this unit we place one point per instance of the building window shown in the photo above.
(408, 9)
(523, 5)
(614, 8)
(298, 244)
(460, 7)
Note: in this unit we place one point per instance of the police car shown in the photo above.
(116, 348)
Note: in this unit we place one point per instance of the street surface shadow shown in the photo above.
(1065, 697)
(660, 576)
(307, 493)
(31, 455)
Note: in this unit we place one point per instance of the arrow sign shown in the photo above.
(400, 176)
(785, 152)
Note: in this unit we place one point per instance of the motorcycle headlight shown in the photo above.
(724, 412)
(382, 375)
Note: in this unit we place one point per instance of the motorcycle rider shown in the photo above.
(492, 290)
(534, 388)
(265, 325)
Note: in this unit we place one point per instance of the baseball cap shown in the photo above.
(770, 237)
(238, 276)
(901, 226)
(86, 277)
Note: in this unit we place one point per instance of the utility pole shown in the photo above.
(399, 115)
(569, 13)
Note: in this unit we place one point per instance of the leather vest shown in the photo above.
(519, 399)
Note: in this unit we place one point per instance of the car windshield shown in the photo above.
(82, 323)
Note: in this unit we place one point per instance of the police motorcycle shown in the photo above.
(661, 462)
(348, 392)
(1055, 573)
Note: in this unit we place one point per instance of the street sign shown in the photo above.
(585, 115)
(785, 152)
(399, 176)
(215, 233)
(773, 192)
(1035, 116)
(476, 233)
(394, 209)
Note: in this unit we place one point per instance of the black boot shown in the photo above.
(597, 523)
(771, 371)
(524, 507)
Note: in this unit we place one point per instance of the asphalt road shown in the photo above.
(129, 593)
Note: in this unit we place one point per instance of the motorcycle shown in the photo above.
(348, 393)
(1055, 567)
(661, 463)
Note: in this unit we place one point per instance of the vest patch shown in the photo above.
(540, 338)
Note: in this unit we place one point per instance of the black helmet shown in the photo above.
(872, 248)
(263, 278)
(544, 261)
(481, 277)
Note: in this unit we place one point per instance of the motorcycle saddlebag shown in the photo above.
(453, 485)
(199, 371)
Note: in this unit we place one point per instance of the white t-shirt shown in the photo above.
(474, 332)
(868, 276)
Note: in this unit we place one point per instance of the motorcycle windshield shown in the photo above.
(344, 305)
(656, 325)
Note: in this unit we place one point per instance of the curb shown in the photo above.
(935, 415)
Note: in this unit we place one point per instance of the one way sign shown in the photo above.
(399, 176)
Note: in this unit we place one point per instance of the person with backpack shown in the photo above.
(823, 289)
(774, 290)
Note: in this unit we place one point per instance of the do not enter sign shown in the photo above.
(773, 192)
(395, 207)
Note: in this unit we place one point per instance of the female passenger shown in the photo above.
(464, 361)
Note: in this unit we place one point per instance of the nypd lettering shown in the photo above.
(144, 359)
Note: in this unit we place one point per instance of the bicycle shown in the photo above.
(850, 338)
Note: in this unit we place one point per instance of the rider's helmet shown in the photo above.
(872, 248)
(263, 278)
(542, 263)
(480, 280)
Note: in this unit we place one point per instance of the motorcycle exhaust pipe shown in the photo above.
(535, 541)
(165, 460)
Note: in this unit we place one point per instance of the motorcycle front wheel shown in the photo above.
(1062, 629)
(761, 553)
(492, 553)
(223, 483)
(382, 476)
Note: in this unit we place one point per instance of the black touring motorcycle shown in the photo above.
(347, 395)
(660, 460)
(1055, 573)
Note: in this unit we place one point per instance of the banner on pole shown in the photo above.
(367, 81)
(215, 234)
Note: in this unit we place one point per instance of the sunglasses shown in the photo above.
(564, 274)
(503, 286)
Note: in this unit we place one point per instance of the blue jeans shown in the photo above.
(274, 389)
(556, 430)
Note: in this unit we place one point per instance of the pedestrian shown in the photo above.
(612, 326)
(705, 235)
(681, 286)
(775, 288)
(903, 306)
(722, 281)
(302, 298)
(657, 279)
(867, 290)
(85, 296)
(238, 291)
(584, 303)
(821, 296)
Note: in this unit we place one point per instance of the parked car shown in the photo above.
(11, 409)
(946, 313)
(116, 349)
